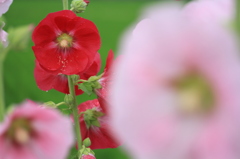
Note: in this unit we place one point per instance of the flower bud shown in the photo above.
(68, 99)
(87, 142)
(89, 156)
(50, 104)
(79, 6)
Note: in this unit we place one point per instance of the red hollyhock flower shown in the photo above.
(105, 80)
(100, 135)
(47, 80)
(65, 43)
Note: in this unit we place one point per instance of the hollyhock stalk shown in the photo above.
(65, 4)
(2, 101)
(75, 111)
(71, 85)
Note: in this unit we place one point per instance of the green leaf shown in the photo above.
(86, 87)
(96, 123)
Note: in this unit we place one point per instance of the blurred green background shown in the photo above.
(111, 17)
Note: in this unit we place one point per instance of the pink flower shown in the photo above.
(175, 93)
(4, 6)
(101, 137)
(32, 132)
(221, 11)
(3, 36)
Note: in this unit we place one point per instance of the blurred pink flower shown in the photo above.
(4, 6)
(175, 91)
(3, 36)
(34, 132)
(209, 11)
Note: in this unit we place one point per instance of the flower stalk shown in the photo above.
(65, 4)
(75, 112)
(2, 101)
(2, 98)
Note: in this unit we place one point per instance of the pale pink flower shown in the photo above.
(4, 6)
(34, 132)
(175, 91)
(3, 36)
(221, 11)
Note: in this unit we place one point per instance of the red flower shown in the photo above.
(86, 1)
(101, 136)
(104, 81)
(47, 80)
(65, 43)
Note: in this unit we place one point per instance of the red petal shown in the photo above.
(47, 29)
(89, 39)
(43, 35)
(93, 69)
(48, 57)
(109, 61)
(100, 137)
(50, 80)
(74, 62)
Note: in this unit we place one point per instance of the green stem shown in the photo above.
(65, 4)
(3, 53)
(75, 112)
(237, 17)
(2, 101)
(61, 103)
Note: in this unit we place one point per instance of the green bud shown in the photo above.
(75, 78)
(18, 37)
(50, 104)
(91, 117)
(68, 99)
(79, 6)
(87, 142)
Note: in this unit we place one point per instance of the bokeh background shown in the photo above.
(112, 17)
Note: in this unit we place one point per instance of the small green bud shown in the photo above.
(91, 117)
(87, 142)
(75, 78)
(68, 99)
(79, 6)
(50, 104)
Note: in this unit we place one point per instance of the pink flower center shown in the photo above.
(194, 94)
(20, 131)
(65, 41)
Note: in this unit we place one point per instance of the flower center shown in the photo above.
(194, 94)
(20, 131)
(65, 40)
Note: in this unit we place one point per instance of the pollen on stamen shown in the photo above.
(64, 43)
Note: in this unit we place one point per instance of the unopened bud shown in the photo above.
(68, 99)
(79, 6)
(89, 156)
(87, 142)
